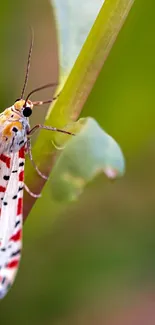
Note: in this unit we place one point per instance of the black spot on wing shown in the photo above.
(5, 203)
(14, 129)
(21, 142)
(14, 197)
(16, 253)
(17, 223)
(20, 188)
(3, 280)
(14, 171)
(6, 178)
(21, 164)
(3, 249)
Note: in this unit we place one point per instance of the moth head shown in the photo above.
(24, 107)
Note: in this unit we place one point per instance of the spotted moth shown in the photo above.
(15, 133)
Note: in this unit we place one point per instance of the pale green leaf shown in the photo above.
(90, 152)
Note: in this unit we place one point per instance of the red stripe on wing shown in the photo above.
(5, 159)
(17, 236)
(12, 264)
(22, 152)
(2, 189)
(19, 206)
(21, 176)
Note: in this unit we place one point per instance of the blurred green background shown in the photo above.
(93, 261)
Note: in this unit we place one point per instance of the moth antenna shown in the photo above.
(40, 88)
(28, 62)
(41, 102)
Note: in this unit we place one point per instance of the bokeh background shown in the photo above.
(93, 261)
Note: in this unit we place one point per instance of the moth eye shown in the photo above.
(27, 111)
(17, 100)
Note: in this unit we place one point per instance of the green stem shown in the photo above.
(78, 86)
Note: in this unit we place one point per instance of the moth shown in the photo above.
(15, 134)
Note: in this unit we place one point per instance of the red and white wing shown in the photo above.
(11, 217)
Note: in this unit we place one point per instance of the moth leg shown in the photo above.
(49, 128)
(33, 130)
(31, 193)
(32, 161)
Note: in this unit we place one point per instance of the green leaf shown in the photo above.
(90, 152)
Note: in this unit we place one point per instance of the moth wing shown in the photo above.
(5, 171)
(11, 220)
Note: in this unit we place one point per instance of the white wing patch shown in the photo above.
(9, 205)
